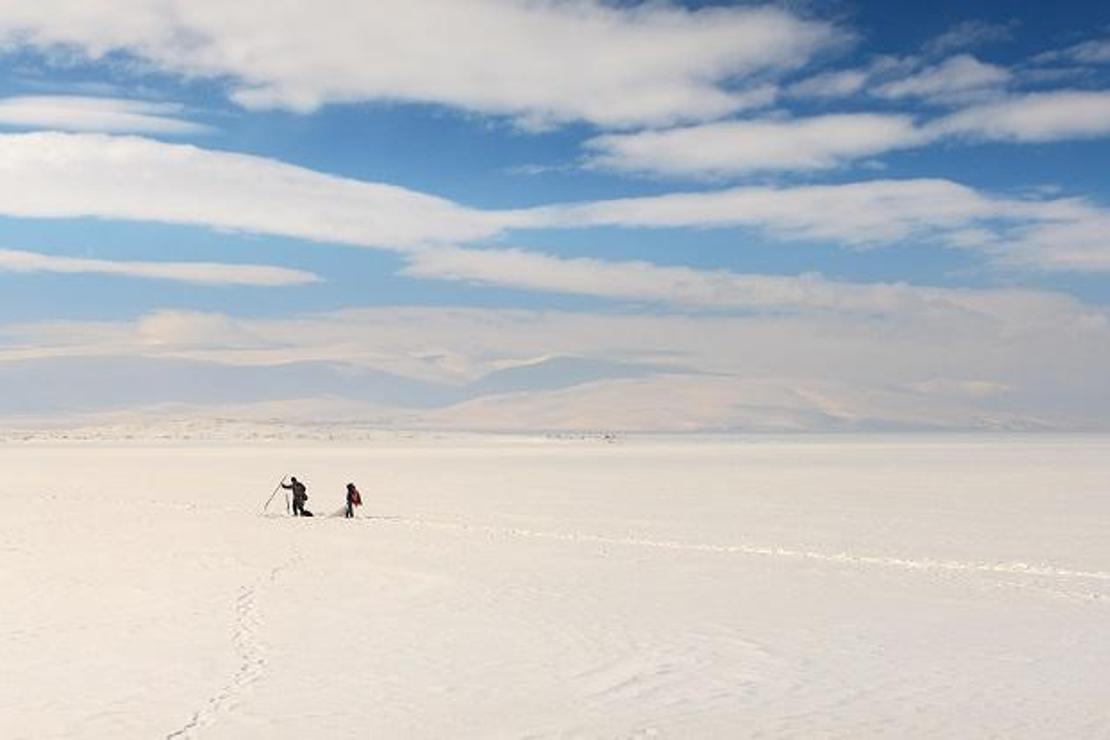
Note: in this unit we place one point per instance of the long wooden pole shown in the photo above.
(276, 489)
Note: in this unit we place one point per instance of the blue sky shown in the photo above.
(765, 176)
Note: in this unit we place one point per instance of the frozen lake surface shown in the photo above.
(506, 587)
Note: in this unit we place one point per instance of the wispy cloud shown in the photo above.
(80, 113)
(1031, 232)
(838, 84)
(202, 273)
(957, 79)
(969, 34)
(1092, 51)
(821, 142)
(54, 175)
(647, 64)
(949, 81)
(861, 214)
(732, 147)
(1074, 245)
(681, 286)
(1037, 117)
(72, 175)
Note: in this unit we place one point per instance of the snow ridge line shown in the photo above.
(926, 564)
(252, 658)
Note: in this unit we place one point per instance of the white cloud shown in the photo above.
(857, 80)
(689, 287)
(1080, 245)
(614, 65)
(78, 113)
(840, 84)
(637, 281)
(969, 34)
(820, 142)
(184, 330)
(71, 175)
(54, 175)
(1093, 51)
(1031, 232)
(1037, 117)
(865, 213)
(956, 79)
(732, 147)
(203, 273)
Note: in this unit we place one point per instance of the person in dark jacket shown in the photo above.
(354, 498)
(300, 495)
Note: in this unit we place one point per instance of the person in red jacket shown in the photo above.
(353, 499)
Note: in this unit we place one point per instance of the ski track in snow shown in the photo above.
(844, 558)
(922, 565)
(248, 646)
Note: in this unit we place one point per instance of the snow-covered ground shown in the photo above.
(511, 587)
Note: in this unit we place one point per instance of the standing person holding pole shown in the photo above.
(300, 495)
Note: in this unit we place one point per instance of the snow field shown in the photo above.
(512, 587)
